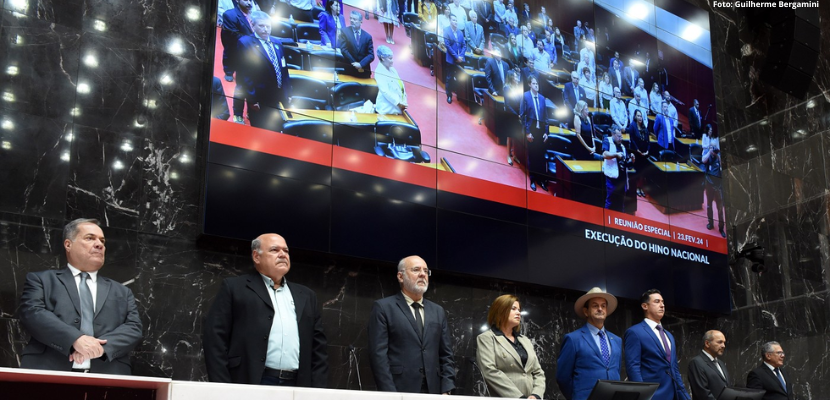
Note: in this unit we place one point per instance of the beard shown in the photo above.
(412, 286)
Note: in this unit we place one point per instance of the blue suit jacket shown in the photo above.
(660, 129)
(528, 115)
(328, 29)
(456, 46)
(580, 363)
(645, 361)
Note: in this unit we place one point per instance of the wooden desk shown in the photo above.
(675, 186)
(328, 77)
(581, 181)
(342, 117)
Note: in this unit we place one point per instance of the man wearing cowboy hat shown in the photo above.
(590, 353)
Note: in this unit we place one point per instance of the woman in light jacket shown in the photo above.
(507, 360)
(391, 92)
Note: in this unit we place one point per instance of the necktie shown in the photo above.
(536, 109)
(781, 379)
(501, 70)
(87, 306)
(356, 37)
(603, 348)
(665, 342)
(418, 320)
(717, 365)
(274, 61)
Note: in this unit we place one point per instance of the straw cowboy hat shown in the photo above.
(595, 292)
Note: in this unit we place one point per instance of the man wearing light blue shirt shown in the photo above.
(264, 330)
(590, 353)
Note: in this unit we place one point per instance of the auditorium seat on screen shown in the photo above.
(603, 122)
(550, 112)
(410, 19)
(356, 137)
(430, 40)
(669, 156)
(400, 141)
(349, 95)
(317, 130)
(313, 93)
(499, 39)
(293, 57)
(283, 30)
(308, 33)
(696, 154)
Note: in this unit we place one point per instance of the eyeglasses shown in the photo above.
(418, 270)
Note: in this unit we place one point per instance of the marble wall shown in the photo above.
(102, 115)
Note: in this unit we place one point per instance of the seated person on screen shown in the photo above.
(391, 92)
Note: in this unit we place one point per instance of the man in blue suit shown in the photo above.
(264, 74)
(651, 352)
(456, 47)
(664, 128)
(236, 23)
(589, 353)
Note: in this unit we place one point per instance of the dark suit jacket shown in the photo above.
(234, 26)
(495, 83)
(614, 81)
(569, 97)
(705, 381)
(626, 87)
(763, 378)
(238, 324)
(645, 361)
(258, 77)
(694, 122)
(580, 363)
(455, 44)
(50, 312)
(399, 357)
(363, 52)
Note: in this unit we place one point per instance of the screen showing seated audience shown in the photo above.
(563, 143)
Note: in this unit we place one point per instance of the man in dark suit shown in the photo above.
(236, 23)
(456, 47)
(770, 376)
(485, 12)
(617, 75)
(263, 330)
(78, 320)
(651, 352)
(410, 347)
(357, 47)
(264, 74)
(695, 120)
(533, 112)
(495, 71)
(630, 77)
(572, 93)
(589, 353)
(707, 374)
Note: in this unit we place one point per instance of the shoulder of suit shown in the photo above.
(432, 304)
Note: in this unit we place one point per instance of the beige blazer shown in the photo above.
(502, 368)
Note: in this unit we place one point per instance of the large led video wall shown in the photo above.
(334, 127)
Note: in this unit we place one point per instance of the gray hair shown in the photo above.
(384, 51)
(615, 128)
(259, 16)
(473, 14)
(71, 229)
(574, 75)
(357, 14)
(256, 245)
(768, 348)
(402, 264)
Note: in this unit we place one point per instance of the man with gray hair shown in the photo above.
(263, 330)
(770, 376)
(707, 373)
(410, 347)
(58, 308)
(474, 34)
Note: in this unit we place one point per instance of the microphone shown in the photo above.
(677, 385)
(353, 356)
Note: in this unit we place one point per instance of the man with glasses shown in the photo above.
(410, 348)
(770, 376)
